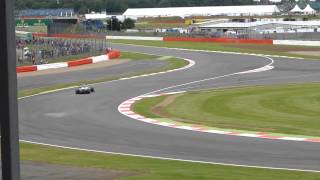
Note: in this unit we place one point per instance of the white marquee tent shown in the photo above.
(296, 9)
(309, 10)
(203, 11)
(302, 24)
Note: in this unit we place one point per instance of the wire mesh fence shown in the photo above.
(49, 50)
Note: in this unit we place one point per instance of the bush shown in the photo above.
(128, 24)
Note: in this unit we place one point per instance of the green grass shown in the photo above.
(147, 168)
(144, 106)
(288, 109)
(243, 48)
(137, 56)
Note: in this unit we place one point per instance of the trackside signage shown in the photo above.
(33, 22)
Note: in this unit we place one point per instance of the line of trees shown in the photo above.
(83, 6)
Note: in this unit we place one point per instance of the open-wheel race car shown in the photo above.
(84, 89)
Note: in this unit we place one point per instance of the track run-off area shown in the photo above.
(92, 122)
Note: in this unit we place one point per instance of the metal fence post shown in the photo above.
(8, 94)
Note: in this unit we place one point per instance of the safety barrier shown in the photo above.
(296, 43)
(26, 69)
(135, 38)
(114, 54)
(186, 39)
(80, 62)
(91, 60)
(220, 40)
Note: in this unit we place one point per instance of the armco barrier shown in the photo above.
(92, 60)
(135, 38)
(219, 40)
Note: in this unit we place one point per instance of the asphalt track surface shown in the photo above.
(115, 71)
(93, 121)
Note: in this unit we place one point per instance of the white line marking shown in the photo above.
(170, 159)
(216, 77)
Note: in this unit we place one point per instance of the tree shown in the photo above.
(114, 24)
(128, 24)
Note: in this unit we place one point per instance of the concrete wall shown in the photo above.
(135, 38)
(297, 43)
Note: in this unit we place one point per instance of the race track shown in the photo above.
(93, 121)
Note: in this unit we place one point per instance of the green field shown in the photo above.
(287, 109)
(228, 47)
(147, 168)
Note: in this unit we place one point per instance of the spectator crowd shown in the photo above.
(39, 51)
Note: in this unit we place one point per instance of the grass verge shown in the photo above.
(288, 109)
(281, 50)
(137, 56)
(147, 168)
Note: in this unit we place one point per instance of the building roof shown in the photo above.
(203, 11)
(261, 23)
(95, 16)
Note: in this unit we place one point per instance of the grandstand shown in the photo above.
(62, 12)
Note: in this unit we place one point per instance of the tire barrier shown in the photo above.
(114, 54)
(26, 69)
(80, 62)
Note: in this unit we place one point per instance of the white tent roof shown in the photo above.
(296, 9)
(95, 16)
(260, 23)
(308, 9)
(203, 11)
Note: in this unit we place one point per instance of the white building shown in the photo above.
(251, 10)
(95, 16)
(262, 26)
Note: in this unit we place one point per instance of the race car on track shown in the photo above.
(84, 89)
